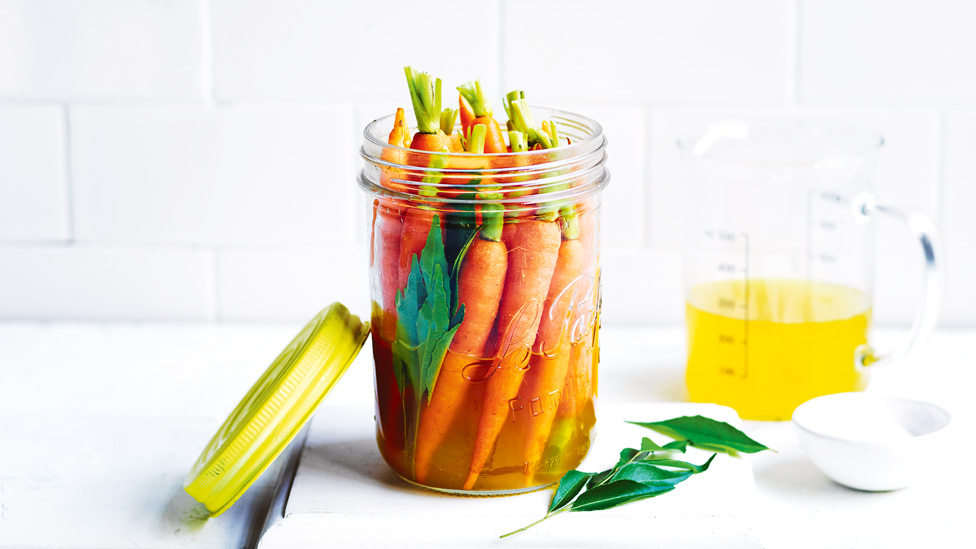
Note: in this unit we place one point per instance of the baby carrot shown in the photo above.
(478, 100)
(574, 393)
(480, 285)
(387, 226)
(550, 363)
(533, 248)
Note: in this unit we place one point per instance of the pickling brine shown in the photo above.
(546, 431)
(765, 346)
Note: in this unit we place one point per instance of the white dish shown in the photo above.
(869, 442)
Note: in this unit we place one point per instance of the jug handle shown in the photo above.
(867, 206)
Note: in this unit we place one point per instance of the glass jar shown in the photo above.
(485, 284)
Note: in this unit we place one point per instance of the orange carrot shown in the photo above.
(436, 142)
(549, 365)
(480, 285)
(467, 114)
(387, 236)
(584, 317)
(387, 226)
(481, 108)
(533, 247)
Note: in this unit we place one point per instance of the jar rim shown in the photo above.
(595, 137)
(559, 174)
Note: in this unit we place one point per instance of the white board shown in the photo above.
(345, 495)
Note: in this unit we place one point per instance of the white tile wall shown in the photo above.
(312, 50)
(195, 159)
(624, 202)
(908, 172)
(659, 50)
(96, 49)
(195, 175)
(291, 283)
(642, 285)
(33, 190)
(878, 51)
(81, 283)
(959, 193)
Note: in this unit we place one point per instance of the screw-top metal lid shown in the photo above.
(276, 408)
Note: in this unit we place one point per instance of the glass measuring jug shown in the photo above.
(779, 263)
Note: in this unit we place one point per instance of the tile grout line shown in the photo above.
(214, 305)
(206, 53)
(647, 225)
(68, 180)
(794, 53)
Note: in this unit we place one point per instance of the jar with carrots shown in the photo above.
(485, 282)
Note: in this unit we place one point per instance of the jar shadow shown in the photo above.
(354, 462)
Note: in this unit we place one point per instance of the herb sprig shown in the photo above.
(650, 471)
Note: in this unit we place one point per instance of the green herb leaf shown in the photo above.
(425, 325)
(570, 485)
(617, 493)
(627, 455)
(667, 462)
(599, 478)
(648, 445)
(705, 433)
(648, 473)
(640, 474)
(677, 445)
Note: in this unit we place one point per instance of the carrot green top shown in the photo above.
(425, 94)
(476, 141)
(492, 218)
(476, 97)
(520, 119)
(448, 118)
(548, 137)
(519, 141)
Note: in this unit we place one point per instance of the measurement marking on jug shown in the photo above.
(745, 314)
(809, 235)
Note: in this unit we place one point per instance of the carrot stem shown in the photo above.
(476, 141)
(425, 94)
(476, 97)
(518, 141)
(493, 218)
(448, 118)
(519, 117)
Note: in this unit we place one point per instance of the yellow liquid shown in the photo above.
(765, 346)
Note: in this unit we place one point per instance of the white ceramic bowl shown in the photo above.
(869, 442)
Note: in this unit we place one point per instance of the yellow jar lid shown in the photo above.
(276, 408)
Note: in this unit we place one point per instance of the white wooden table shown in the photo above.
(99, 424)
